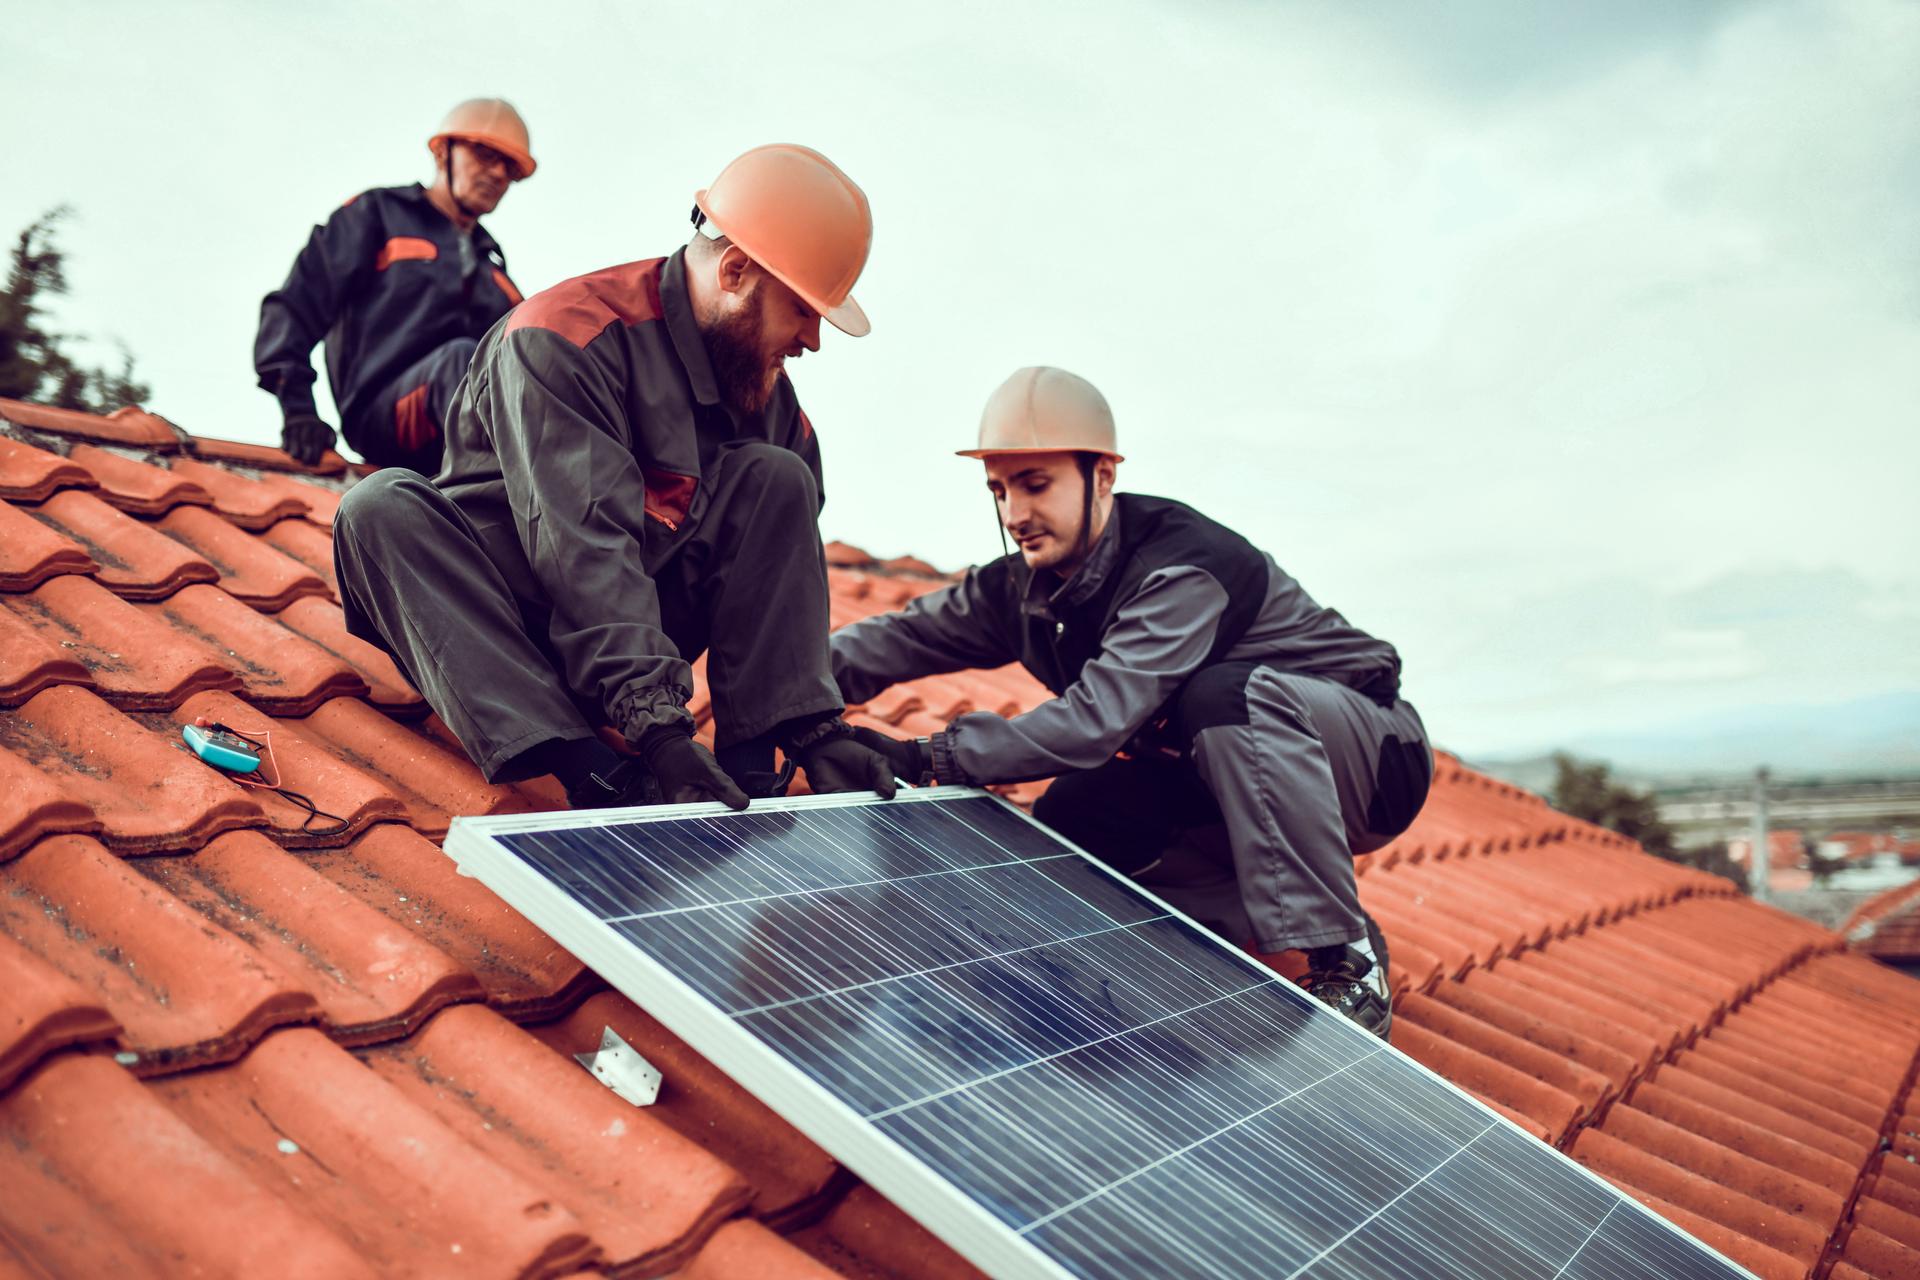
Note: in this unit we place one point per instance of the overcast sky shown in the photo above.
(1579, 356)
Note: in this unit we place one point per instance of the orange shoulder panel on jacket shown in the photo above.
(506, 286)
(581, 308)
(405, 249)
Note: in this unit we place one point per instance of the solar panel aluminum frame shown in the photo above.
(915, 1187)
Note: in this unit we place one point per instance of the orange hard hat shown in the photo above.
(491, 122)
(1045, 410)
(794, 212)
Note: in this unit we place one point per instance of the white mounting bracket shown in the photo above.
(619, 1066)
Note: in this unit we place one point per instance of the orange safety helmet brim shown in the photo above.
(491, 122)
(1041, 409)
(803, 220)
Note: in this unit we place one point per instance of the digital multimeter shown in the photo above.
(221, 748)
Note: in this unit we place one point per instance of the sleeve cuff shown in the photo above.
(945, 768)
(648, 710)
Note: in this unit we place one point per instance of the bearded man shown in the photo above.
(630, 481)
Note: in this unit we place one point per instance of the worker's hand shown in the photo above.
(306, 437)
(686, 771)
(909, 758)
(836, 760)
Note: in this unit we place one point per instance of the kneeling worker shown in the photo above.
(401, 283)
(630, 481)
(1238, 701)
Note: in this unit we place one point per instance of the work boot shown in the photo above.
(1349, 982)
(626, 784)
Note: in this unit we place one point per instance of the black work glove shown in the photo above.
(306, 437)
(836, 761)
(910, 758)
(685, 770)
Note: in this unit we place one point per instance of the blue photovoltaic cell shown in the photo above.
(1110, 1083)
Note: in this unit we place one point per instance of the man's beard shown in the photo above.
(740, 366)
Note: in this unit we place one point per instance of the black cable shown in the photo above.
(313, 811)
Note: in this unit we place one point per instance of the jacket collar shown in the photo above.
(687, 342)
(1045, 591)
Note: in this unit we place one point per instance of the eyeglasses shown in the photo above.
(486, 157)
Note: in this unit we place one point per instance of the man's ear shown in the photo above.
(1103, 474)
(734, 269)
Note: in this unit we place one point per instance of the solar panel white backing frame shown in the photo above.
(916, 1187)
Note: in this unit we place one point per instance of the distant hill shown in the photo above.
(1876, 737)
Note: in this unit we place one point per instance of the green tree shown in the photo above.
(1586, 789)
(32, 365)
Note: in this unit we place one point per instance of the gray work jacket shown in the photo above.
(1165, 591)
(577, 448)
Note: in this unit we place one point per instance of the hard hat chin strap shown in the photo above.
(452, 194)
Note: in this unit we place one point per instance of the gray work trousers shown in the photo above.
(1248, 806)
(456, 605)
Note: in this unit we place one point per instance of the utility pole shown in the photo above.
(1762, 860)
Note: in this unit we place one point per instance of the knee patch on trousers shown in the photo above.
(1400, 786)
(1212, 696)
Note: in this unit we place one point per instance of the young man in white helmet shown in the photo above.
(1200, 692)
(629, 482)
(400, 283)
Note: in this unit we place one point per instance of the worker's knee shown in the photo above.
(1068, 805)
(384, 508)
(1211, 697)
(770, 472)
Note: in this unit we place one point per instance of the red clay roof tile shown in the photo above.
(103, 1178)
(1716, 1162)
(28, 474)
(1715, 1059)
(278, 670)
(136, 560)
(1589, 1088)
(184, 994)
(33, 550)
(1743, 1135)
(1609, 1014)
(307, 767)
(746, 1248)
(264, 456)
(322, 622)
(132, 659)
(866, 1234)
(406, 878)
(539, 1115)
(137, 487)
(247, 503)
(1754, 1103)
(41, 1009)
(1768, 1264)
(29, 661)
(1487, 1077)
(70, 754)
(789, 1174)
(371, 978)
(1895, 1224)
(430, 780)
(250, 569)
(319, 502)
(1621, 1161)
(308, 544)
(129, 426)
(375, 1164)
(1546, 1024)
(1881, 1256)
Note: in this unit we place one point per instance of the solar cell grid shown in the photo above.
(995, 1030)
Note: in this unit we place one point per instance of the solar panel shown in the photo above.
(1048, 1067)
